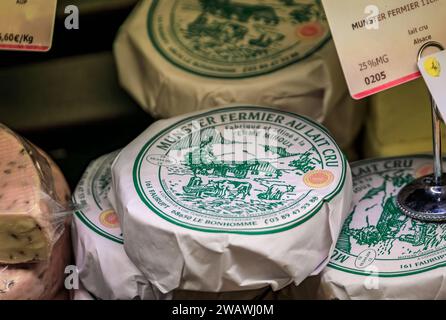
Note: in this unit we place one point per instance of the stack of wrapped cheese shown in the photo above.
(212, 205)
(176, 57)
(34, 240)
(105, 271)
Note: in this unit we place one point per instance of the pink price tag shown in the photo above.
(378, 40)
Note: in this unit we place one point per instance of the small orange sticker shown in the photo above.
(425, 170)
(109, 219)
(318, 178)
(310, 30)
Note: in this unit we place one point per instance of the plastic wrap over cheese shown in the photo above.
(38, 281)
(179, 56)
(381, 253)
(32, 212)
(231, 199)
(104, 268)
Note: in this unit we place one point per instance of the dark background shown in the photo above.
(68, 101)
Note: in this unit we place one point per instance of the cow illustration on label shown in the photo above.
(236, 39)
(217, 189)
(276, 192)
(242, 12)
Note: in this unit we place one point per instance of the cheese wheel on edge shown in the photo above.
(229, 200)
(181, 56)
(381, 253)
(104, 268)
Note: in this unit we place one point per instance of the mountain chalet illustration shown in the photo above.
(392, 225)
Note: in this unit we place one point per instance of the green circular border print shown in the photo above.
(245, 170)
(93, 190)
(237, 38)
(377, 238)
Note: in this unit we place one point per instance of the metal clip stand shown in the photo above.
(425, 198)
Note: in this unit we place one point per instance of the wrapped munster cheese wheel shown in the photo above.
(381, 253)
(228, 200)
(180, 56)
(104, 268)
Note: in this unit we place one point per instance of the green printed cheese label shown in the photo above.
(378, 238)
(236, 38)
(246, 170)
(92, 196)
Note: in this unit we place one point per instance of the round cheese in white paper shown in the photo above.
(178, 56)
(381, 253)
(235, 198)
(104, 268)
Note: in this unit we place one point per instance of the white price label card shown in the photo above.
(433, 70)
(27, 25)
(378, 40)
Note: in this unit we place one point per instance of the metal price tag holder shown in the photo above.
(425, 198)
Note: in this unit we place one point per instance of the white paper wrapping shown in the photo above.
(238, 198)
(381, 253)
(181, 56)
(81, 294)
(104, 269)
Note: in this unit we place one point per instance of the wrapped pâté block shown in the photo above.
(104, 269)
(32, 214)
(228, 200)
(179, 56)
(381, 253)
